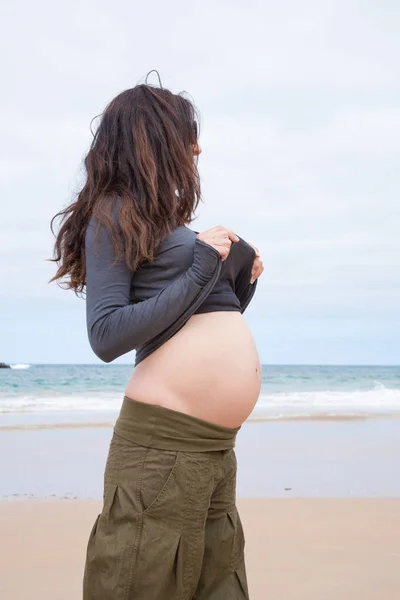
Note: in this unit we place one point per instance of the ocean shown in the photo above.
(68, 393)
(56, 424)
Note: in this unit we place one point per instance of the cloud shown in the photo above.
(300, 137)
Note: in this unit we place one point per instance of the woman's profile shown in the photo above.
(169, 528)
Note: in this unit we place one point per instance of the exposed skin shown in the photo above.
(210, 369)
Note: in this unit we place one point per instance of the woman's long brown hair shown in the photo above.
(141, 154)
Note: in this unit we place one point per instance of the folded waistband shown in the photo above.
(155, 426)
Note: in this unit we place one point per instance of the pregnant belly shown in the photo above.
(210, 369)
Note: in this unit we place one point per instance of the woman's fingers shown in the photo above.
(232, 235)
(256, 250)
(220, 238)
(225, 231)
(258, 268)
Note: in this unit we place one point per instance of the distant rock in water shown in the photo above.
(4, 366)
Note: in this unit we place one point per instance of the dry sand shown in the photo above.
(296, 549)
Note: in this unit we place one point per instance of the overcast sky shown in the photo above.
(300, 135)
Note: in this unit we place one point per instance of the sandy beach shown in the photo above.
(296, 549)
(319, 500)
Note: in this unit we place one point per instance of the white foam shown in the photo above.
(278, 405)
(20, 366)
(379, 400)
(33, 404)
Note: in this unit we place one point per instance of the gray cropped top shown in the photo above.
(140, 310)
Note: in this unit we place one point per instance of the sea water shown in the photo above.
(56, 426)
(67, 393)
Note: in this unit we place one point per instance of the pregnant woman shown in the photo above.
(169, 528)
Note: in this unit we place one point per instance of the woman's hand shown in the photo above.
(258, 266)
(220, 238)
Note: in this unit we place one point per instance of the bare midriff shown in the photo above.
(210, 369)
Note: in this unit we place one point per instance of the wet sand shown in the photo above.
(331, 459)
(296, 549)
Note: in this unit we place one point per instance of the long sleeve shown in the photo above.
(245, 290)
(115, 326)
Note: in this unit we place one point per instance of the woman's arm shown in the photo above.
(116, 327)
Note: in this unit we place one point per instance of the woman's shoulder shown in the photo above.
(175, 252)
(179, 236)
(173, 257)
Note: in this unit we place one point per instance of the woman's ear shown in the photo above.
(197, 149)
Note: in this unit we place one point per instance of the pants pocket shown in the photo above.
(148, 473)
(158, 476)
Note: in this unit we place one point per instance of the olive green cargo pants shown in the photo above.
(169, 528)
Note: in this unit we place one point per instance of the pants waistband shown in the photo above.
(155, 426)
